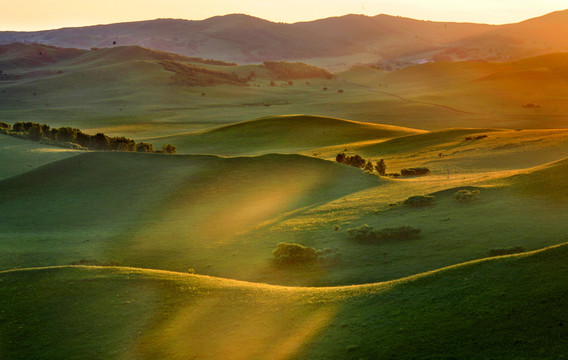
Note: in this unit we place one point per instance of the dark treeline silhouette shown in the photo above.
(357, 161)
(75, 138)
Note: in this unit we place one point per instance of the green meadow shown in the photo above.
(127, 255)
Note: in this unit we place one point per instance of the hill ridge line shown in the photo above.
(235, 282)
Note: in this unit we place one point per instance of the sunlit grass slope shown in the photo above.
(500, 308)
(547, 181)
(161, 211)
(528, 93)
(450, 151)
(18, 156)
(291, 133)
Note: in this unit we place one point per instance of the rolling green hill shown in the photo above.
(162, 211)
(291, 133)
(500, 308)
(19, 156)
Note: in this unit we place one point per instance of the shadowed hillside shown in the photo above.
(113, 206)
(287, 134)
(501, 308)
(19, 156)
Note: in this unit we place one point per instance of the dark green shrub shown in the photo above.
(415, 171)
(361, 233)
(169, 149)
(340, 158)
(506, 251)
(419, 201)
(289, 254)
(368, 166)
(144, 147)
(293, 254)
(465, 196)
(381, 167)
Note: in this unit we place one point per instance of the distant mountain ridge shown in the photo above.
(246, 39)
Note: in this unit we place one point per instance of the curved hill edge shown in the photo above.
(213, 281)
(266, 119)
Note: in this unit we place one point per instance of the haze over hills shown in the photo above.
(357, 38)
(380, 214)
(144, 93)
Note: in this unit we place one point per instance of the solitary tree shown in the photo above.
(368, 166)
(340, 158)
(169, 149)
(381, 167)
(144, 147)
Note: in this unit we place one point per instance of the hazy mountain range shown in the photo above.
(246, 39)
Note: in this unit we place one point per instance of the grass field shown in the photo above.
(99, 249)
(500, 308)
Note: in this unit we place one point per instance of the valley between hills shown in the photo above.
(151, 255)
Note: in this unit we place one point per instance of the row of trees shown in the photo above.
(357, 161)
(69, 135)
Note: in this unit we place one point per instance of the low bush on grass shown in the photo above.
(415, 172)
(467, 196)
(506, 251)
(292, 254)
(366, 233)
(419, 201)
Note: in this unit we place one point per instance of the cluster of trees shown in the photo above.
(66, 136)
(357, 161)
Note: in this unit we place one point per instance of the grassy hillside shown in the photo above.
(246, 39)
(448, 152)
(224, 216)
(19, 156)
(162, 211)
(291, 133)
(529, 93)
(500, 308)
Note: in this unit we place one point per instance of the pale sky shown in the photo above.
(50, 14)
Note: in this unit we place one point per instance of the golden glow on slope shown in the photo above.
(274, 328)
(41, 15)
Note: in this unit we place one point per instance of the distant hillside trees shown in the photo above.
(74, 138)
(191, 75)
(282, 70)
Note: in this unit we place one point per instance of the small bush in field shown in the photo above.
(294, 253)
(415, 172)
(289, 254)
(465, 196)
(419, 201)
